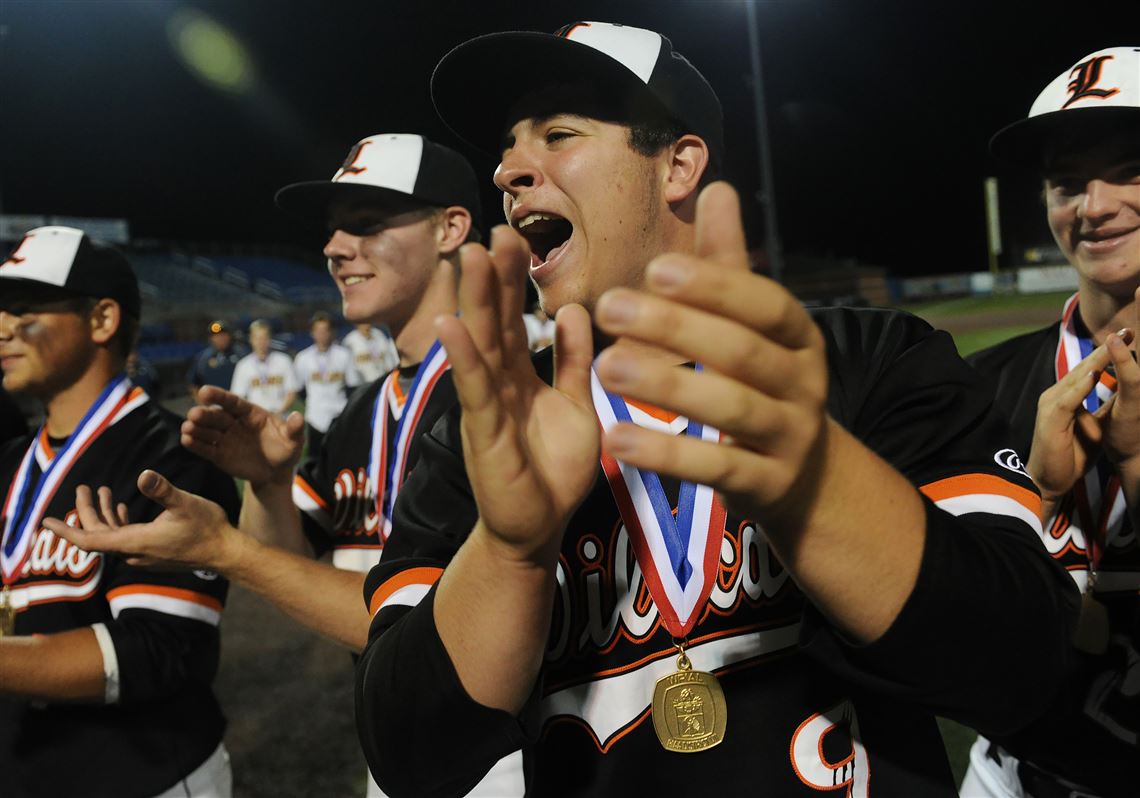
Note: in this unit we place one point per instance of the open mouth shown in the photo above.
(546, 234)
(355, 279)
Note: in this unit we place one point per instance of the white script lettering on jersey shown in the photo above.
(54, 556)
(607, 600)
(613, 579)
(817, 767)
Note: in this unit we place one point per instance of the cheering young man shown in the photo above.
(847, 556)
(105, 668)
(1072, 391)
(397, 210)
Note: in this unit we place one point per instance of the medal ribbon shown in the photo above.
(388, 477)
(378, 450)
(679, 557)
(29, 495)
(1099, 501)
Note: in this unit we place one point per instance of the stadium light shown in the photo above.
(210, 51)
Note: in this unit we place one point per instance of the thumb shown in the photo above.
(155, 486)
(719, 229)
(295, 426)
(573, 353)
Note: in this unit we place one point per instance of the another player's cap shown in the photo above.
(1099, 92)
(391, 167)
(219, 326)
(64, 261)
(475, 85)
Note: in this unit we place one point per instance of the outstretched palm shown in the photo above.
(531, 449)
(244, 440)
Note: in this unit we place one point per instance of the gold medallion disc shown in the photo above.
(689, 710)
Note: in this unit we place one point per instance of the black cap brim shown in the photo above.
(475, 85)
(311, 200)
(1025, 142)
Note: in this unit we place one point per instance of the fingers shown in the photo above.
(107, 508)
(1126, 368)
(158, 488)
(101, 539)
(573, 353)
(87, 509)
(719, 232)
(510, 257)
(748, 416)
(231, 403)
(730, 470)
(479, 295)
(735, 295)
(718, 343)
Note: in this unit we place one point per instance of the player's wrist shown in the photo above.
(232, 553)
(539, 550)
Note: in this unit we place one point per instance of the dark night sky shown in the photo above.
(880, 110)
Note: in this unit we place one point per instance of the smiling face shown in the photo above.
(382, 259)
(1092, 197)
(589, 205)
(45, 344)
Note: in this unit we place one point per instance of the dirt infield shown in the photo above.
(288, 695)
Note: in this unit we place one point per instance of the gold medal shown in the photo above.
(7, 614)
(1093, 628)
(689, 711)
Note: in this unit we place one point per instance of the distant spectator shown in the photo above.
(214, 365)
(373, 351)
(325, 372)
(143, 374)
(265, 377)
(11, 419)
(539, 328)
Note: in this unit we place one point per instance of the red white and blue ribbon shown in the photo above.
(34, 485)
(679, 557)
(1101, 507)
(432, 367)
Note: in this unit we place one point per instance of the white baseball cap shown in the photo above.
(391, 166)
(1103, 88)
(64, 260)
(476, 84)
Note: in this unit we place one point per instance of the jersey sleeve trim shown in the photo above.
(407, 588)
(308, 501)
(110, 663)
(985, 493)
(168, 600)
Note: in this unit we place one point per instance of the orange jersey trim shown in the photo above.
(974, 484)
(168, 592)
(308, 490)
(424, 575)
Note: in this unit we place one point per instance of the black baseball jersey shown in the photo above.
(807, 711)
(162, 626)
(1089, 734)
(332, 488)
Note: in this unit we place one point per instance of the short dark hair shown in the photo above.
(320, 316)
(651, 128)
(126, 337)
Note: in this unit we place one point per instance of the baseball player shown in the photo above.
(265, 377)
(399, 209)
(105, 668)
(373, 351)
(326, 373)
(215, 364)
(1072, 391)
(842, 532)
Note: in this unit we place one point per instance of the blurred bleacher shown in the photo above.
(183, 292)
